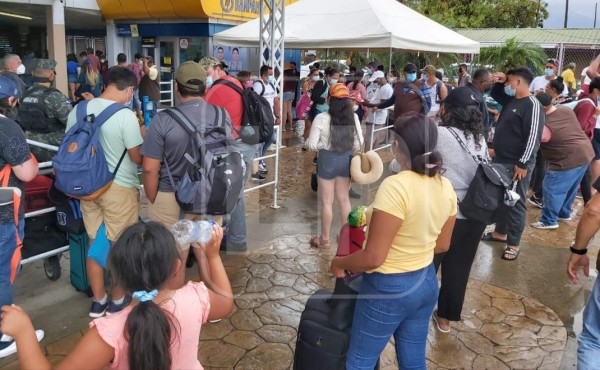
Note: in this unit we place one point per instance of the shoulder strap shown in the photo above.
(222, 81)
(263, 87)
(181, 119)
(81, 110)
(462, 143)
(107, 113)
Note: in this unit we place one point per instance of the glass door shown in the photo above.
(166, 65)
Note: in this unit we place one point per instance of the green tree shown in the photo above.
(483, 13)
(514, 54)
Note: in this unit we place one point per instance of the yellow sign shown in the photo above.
(134, 31)
(237, 10)
(167, 60)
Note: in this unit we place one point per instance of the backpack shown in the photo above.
(257, 118)
(572, 104)
(263, 85)
(68, 212)
(487, 190)
(80, 165)
(214, 176)
(425, 102)
(32, 110)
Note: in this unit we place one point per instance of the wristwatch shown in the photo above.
(580, 252)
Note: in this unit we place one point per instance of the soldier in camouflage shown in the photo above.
(43, 111)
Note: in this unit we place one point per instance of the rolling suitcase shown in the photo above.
(78, 248)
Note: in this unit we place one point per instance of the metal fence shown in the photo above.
(580, 54)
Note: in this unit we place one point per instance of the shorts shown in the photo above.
(72, 79)
(118, 208)
(596, 144)
(332, 164)
(289, 96)
(166, 211)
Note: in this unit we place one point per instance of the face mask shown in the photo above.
(424, 77)
(141, 63)
(333, 81)
(21, 69)
(271, 79)
(549, 72)
(394, 166)
(129, 102)
(510, 91)
(209, 81)
(411, 77)
(249, 84)
(316, 78)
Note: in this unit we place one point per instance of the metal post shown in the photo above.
(595, 14)
(272, 25)
(390, 64)
(561, 55)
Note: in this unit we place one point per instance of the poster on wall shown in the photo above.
(235, 57)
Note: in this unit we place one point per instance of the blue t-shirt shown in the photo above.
(72, 68)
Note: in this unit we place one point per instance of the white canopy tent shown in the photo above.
(355, 24)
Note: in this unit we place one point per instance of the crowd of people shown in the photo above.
(441, 135)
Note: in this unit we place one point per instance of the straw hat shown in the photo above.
(366, 168)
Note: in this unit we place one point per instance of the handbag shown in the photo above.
(488, 190)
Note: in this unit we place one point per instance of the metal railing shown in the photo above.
(275, 181)
(169, 91)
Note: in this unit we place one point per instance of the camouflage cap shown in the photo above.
(208, 62)
(46, 64)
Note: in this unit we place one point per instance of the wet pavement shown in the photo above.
(521, 314)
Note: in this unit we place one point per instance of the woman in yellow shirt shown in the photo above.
(411, 218)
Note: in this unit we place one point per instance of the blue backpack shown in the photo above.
(80, 165)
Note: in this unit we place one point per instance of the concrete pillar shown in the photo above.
(57, 43)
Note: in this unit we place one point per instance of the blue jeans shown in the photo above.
(560, 189)
(393, 304)
(137, 104)
(236, 230)
(588, 352)
(8, 245)
(265, 146)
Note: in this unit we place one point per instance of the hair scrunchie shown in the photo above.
(143, 296)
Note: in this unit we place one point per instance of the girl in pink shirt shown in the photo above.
(161, 328)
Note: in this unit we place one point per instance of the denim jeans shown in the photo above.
(560, 189)
(588, 352)
(236, 230)
(137, 104)
(265, 146)
(393, 304)
(8, 245)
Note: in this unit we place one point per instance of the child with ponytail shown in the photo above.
(161, 328)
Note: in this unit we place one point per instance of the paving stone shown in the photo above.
(260, 270)
(305, 286)
(476, 343)
(289, 253)
(272, 356)
(475, 300)
(217, 330)
(509, 306)
(245, 320)
(490, 314)
(474, 284)
(277, 333)
(64, 346)
(523, 322)
(235, 261)
(447, 352)
(552, 338)
(506, 335)
(244, 339)
(240, 282)
(302, 259)
(216, 353)
(541, 313)
(496, 292)
(520, 357)
(283, 279)
(273, 313)
(551, 362)
(261, 257)
(388, 357)
(289, 266)
(489, 362)
(322, 279)
(257, 285)
(280, 292)
(469, 322)
(248, 301)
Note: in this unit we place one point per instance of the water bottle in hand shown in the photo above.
(188, 231)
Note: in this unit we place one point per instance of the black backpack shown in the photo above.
(486, 191)
(257, 118)
(215, 171)
(32, 110)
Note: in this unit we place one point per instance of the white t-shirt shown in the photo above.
(586, 80)
(382, 94)
(540, 83)
(266, 90)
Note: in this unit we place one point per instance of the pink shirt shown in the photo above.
(190, 307)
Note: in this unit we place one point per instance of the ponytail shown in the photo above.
(148, 330)
(417, 136)
(429, 164)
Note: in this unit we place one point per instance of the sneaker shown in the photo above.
(535, 201)
(10, 347)
(257, 177)
(98, 309)
(272, 147)
(543, 226)
(114, 307)
(565, 219)
(262, 167)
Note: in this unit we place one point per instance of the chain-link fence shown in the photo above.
(581, 55)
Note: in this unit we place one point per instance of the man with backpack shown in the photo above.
(120, 137)
(43, 110)
(407, 97)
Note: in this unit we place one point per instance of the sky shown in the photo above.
(581, 14)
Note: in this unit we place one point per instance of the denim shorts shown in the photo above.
(289, 95)
(72, 79)
(333, 164)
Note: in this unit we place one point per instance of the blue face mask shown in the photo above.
(411, 77)
(271, 79)
(549, 72)
(333, 81)
(509, 90)
(209, 81)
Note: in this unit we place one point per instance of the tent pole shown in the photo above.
(368, 53)
(390, 64)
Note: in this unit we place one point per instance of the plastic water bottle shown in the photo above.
(188, 231)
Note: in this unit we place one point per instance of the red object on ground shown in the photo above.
(36, 194)
(350, 240)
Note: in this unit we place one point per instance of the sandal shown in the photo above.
(317, 242)
(489, 237)
(437, 324)
(510, 254)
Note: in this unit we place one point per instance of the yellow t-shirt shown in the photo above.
(424, 204)
(569, 78)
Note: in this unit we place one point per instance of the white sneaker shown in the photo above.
(565, 219)
(214, 321)
(543, 226)
(12, 348)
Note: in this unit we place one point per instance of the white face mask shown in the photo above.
(21, 69)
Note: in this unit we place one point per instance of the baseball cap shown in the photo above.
(410, 68)
(373, 65)
(208, 62)
(339, 90)
(190, 74)
(376, 75)
(429, 69)
(8, 88)
(46, 64)
(461, 97)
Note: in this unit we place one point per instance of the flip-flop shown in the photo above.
(489, 237)
(510, 254)
(437, 324)
(315, 242)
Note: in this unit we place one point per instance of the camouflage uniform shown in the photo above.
(57, 107)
